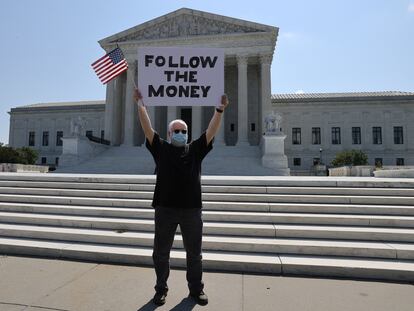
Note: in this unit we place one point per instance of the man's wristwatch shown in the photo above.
(219, 110)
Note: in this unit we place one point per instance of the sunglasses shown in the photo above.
(182, 131)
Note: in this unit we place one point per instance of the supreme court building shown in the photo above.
(316, 126)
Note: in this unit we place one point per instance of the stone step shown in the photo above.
(226, 206)
(223, 261)
(345, 233)
(243, 229)
(75, 200)
(219, 215)
(222, 197)
(366, 209)
(239, 206)
(378, 269)
(360, 268)
(213, 188)
(221, 228)
(218, 243)
(279, 181)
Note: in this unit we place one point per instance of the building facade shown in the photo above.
(317, 126)
(41, 126)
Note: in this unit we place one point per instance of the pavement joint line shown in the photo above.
(29, 306)
(44, 308)
(63, 285)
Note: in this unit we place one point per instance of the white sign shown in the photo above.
(175, 76)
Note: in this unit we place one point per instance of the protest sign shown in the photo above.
(176, 76)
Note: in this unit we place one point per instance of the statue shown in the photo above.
(77, 125)
(273, 123)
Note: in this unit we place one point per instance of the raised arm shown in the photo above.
(215, 121)
(143, 117)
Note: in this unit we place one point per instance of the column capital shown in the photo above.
(266, 58)
(242, 60)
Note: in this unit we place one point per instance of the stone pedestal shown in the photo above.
(23, 168)
(273, 154)
(76, 149)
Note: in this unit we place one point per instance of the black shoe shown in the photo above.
(159, 298)
(200, 297)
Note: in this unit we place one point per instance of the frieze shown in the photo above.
(259, 44)
(187, 25)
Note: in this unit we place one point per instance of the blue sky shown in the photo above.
(323, 46)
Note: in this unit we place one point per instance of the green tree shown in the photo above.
(27, 155)
(9, 155)
(350, 157)
(23, 155)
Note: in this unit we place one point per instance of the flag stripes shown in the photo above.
(110, 65)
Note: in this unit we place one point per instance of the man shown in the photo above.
(177, 196)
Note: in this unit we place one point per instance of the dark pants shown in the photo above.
(191, 225)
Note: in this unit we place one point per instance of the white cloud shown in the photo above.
(299, 92)
(288, 35)
(411, 7)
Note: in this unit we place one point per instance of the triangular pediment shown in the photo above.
(185, 23)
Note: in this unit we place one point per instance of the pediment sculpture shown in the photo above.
(186, 25)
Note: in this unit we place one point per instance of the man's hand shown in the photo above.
(224, 102)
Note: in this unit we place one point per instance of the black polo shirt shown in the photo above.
(178, 172)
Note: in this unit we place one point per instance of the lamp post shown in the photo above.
(320, 155)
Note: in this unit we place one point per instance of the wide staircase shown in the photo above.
(319, 226)
(223, 160)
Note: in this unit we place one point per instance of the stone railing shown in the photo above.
(98, 140)
(400, 171)
(17, 167)
(359, 170)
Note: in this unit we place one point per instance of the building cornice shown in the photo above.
(341, 97)
(55, 107)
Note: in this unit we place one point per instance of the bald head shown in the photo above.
(177, 124)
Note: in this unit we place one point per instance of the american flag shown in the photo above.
(110, 65)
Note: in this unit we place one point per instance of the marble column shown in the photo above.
(219, 140)
(266, 107)
(129, 112)
(171, 115)
(109, 107)
(117, 111)
(196, 120)
(242, 137)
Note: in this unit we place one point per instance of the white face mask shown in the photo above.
(179, 139)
